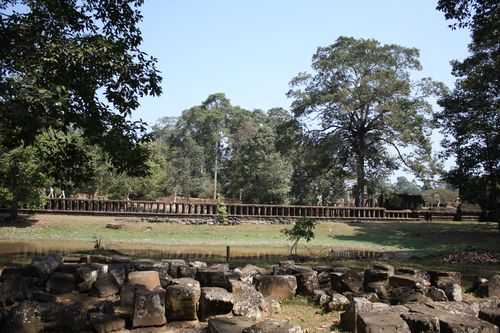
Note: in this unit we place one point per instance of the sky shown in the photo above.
(251, 49)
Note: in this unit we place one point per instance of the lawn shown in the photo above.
(415, 238)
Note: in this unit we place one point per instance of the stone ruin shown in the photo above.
(94, 293)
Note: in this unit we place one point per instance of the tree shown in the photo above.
(75, 64)
(470, 118)
(361, 93)
(260, 173)
(303, 228)
(21, 180)
(404, 186)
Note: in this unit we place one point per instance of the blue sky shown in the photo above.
(250, 50)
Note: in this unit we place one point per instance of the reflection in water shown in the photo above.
(21, 252)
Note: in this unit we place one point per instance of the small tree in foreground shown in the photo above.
(303, 228)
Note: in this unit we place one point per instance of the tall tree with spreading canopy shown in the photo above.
(362, 94)
(75, 64)
(470, 118)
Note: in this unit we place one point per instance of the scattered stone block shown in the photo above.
(198, 264)
(379, 288)
(43, 267)
(149, 279)
(436, 294)
(23, 318)
(387, 321)
(105, 286)
(148, 309)
(453, 292)
(214, 301)
(349, 281)
(372, 275)
(272, 326)
(127, 292)
(239, 287)
(213, 277)
(490, 315)
(174, 265)
(228, 325)
(490, 288)
(60, 283)
(405, 295)
(419, 322)
(337, 302)
(186, 272)
(105, 323)
(307, 282)
(440, 279)
(69, 318)
(41, 296)
(277, 287)
(13, 290)
(119, 271)
(397, 281)
(250, 305)
(453, 323)
(87, 274)
(181, 302)
(350, 317)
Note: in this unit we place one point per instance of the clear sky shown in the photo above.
(251, 49)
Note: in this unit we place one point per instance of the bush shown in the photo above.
(303, 228)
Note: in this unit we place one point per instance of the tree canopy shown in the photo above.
(362, 105)
(470, 118)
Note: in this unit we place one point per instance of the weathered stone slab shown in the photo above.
(405, 295)
(490, 288)
(375, 275)
(60, 283)
(105, 286)
(214, 301)
(174, 265)
(250, 305)
(436, 294)
(181, 302)
(454, 324)
(387, 321)
(239, 287)
(441, 278)
(419, 322)
(23, 318)
(127, 292)
(277, 287)
(42, 267)
(119, 271)
(69, 318)
(337, 302)
(87, 274)
(396, 281)
(348, 281)
(105, 323)
(350, 317)
(454, 292)
(148, 309)
(307, 282)
(149, 279)
(228, 325)
(273, 326)
(491, 315)
(13, 290)
(213, 277)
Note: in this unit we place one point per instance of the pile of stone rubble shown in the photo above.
(87, 293)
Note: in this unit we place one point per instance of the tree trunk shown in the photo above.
(360, 179)
(14, 212)
(215, 173)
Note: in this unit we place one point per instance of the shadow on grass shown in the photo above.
(23, 221)
(426, 238)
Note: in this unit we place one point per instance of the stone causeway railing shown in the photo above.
(160, 208)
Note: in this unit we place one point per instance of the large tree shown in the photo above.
(470, 118)
(362, 94)
(75, 64)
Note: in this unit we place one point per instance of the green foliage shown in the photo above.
(222, 217)
(439, 195)
(303, 228)
(404, 186)
(361, 94)
(470, 118)
(21, 179)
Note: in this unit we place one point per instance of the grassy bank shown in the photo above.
(416, 238)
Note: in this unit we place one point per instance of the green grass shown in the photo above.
(416, 238)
